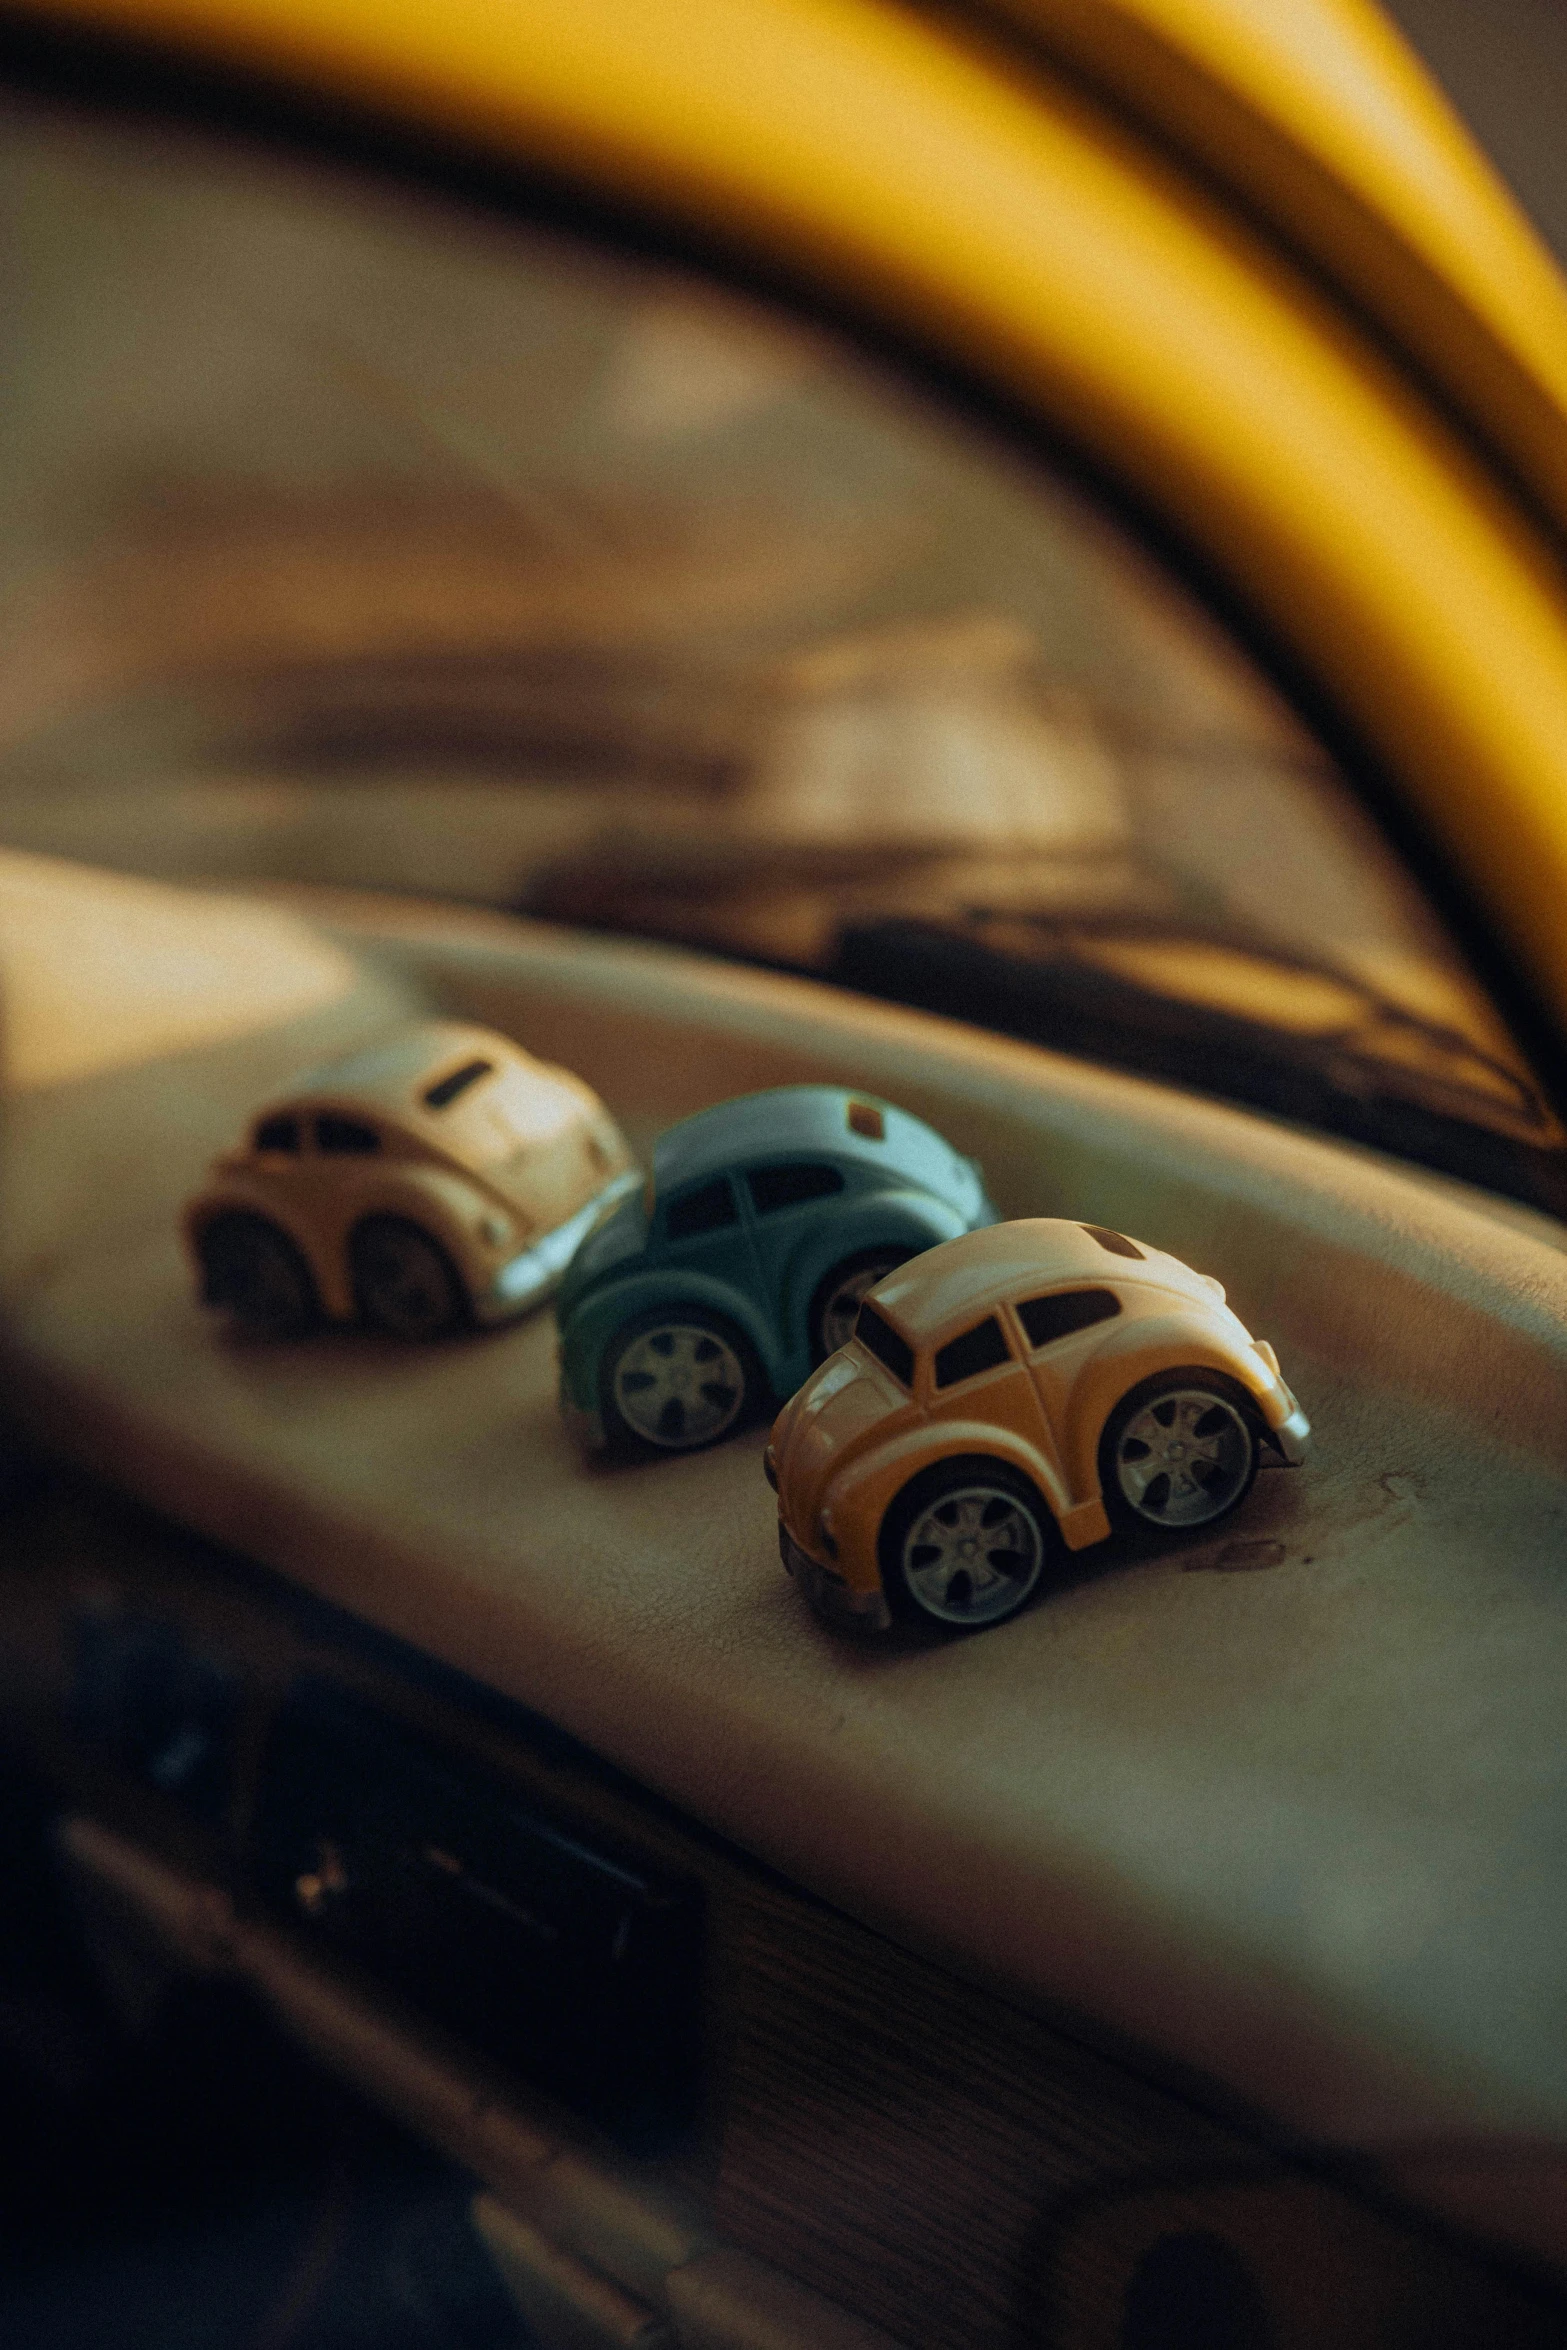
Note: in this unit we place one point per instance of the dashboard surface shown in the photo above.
(1285, 1806)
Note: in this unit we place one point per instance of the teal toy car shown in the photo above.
(742, 1262)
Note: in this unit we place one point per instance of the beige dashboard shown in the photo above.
(1282, 1809)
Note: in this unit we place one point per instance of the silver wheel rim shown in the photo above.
(973, 1555)
(842, 1309)
(404, 1285)
(1184, 1458)
(679, 1385)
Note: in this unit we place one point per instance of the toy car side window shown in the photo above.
(893, 1352)
(773, 1188)
(706, 1209)
(979, 1349)
(347, 1136)
(277, 1134)
(1045, 1319)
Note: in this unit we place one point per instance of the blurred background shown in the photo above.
(350, 540)
(1504, 68)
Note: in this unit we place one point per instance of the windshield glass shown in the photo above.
(892, 1352)
(352, 539)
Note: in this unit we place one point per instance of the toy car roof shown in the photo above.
(394, 1077)
(799, 1121)
(949, 1286)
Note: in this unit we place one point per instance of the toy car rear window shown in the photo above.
(277, 1134)
(893, 1352)
(773, 1188)
(1045, 1319)
(346, 1135)
(707, 1209)
(979, 1349)
(448, 1088)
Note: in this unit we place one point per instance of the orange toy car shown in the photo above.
(440, 1178)
(1026, 1382)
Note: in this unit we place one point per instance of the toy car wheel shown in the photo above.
(966, 1543)
(256, 1272)
(1180, 1450)
(835, 1307)
(678, 1380)
(403, 1281)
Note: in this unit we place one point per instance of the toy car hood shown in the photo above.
(848, 1402)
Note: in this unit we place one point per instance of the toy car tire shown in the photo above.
(403, 1281)
(936, 1562)
(838, 1295)
(252, 1268)
(683, 1396)
(1208, 1426)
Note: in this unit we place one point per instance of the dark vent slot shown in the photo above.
(448, 1088)
(1116, 1242)
(566, 1960)
(156, 1707)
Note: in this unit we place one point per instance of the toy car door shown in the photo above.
(1060, 1330)
(976, 1375)
(702, 1227)
(787, 1199)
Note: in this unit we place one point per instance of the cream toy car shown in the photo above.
(1015, 1388)
(440, 1178)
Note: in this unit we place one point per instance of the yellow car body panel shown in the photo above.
(1084, 1392)
(845, 1447)
(319, 1216)
(447, 1169)
(1000, 222)
(858, 1501)
(1319, 117)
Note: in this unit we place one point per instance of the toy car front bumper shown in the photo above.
(860, 1611)
(528, 1278)
(1293, 1437)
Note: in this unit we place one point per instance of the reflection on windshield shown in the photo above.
(355, 540)
(1195, 1012)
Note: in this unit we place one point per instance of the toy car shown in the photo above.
(1019, 1387)
(764, 1224)
(440, 1178)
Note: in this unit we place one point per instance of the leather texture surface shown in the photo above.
(1286, 1805)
